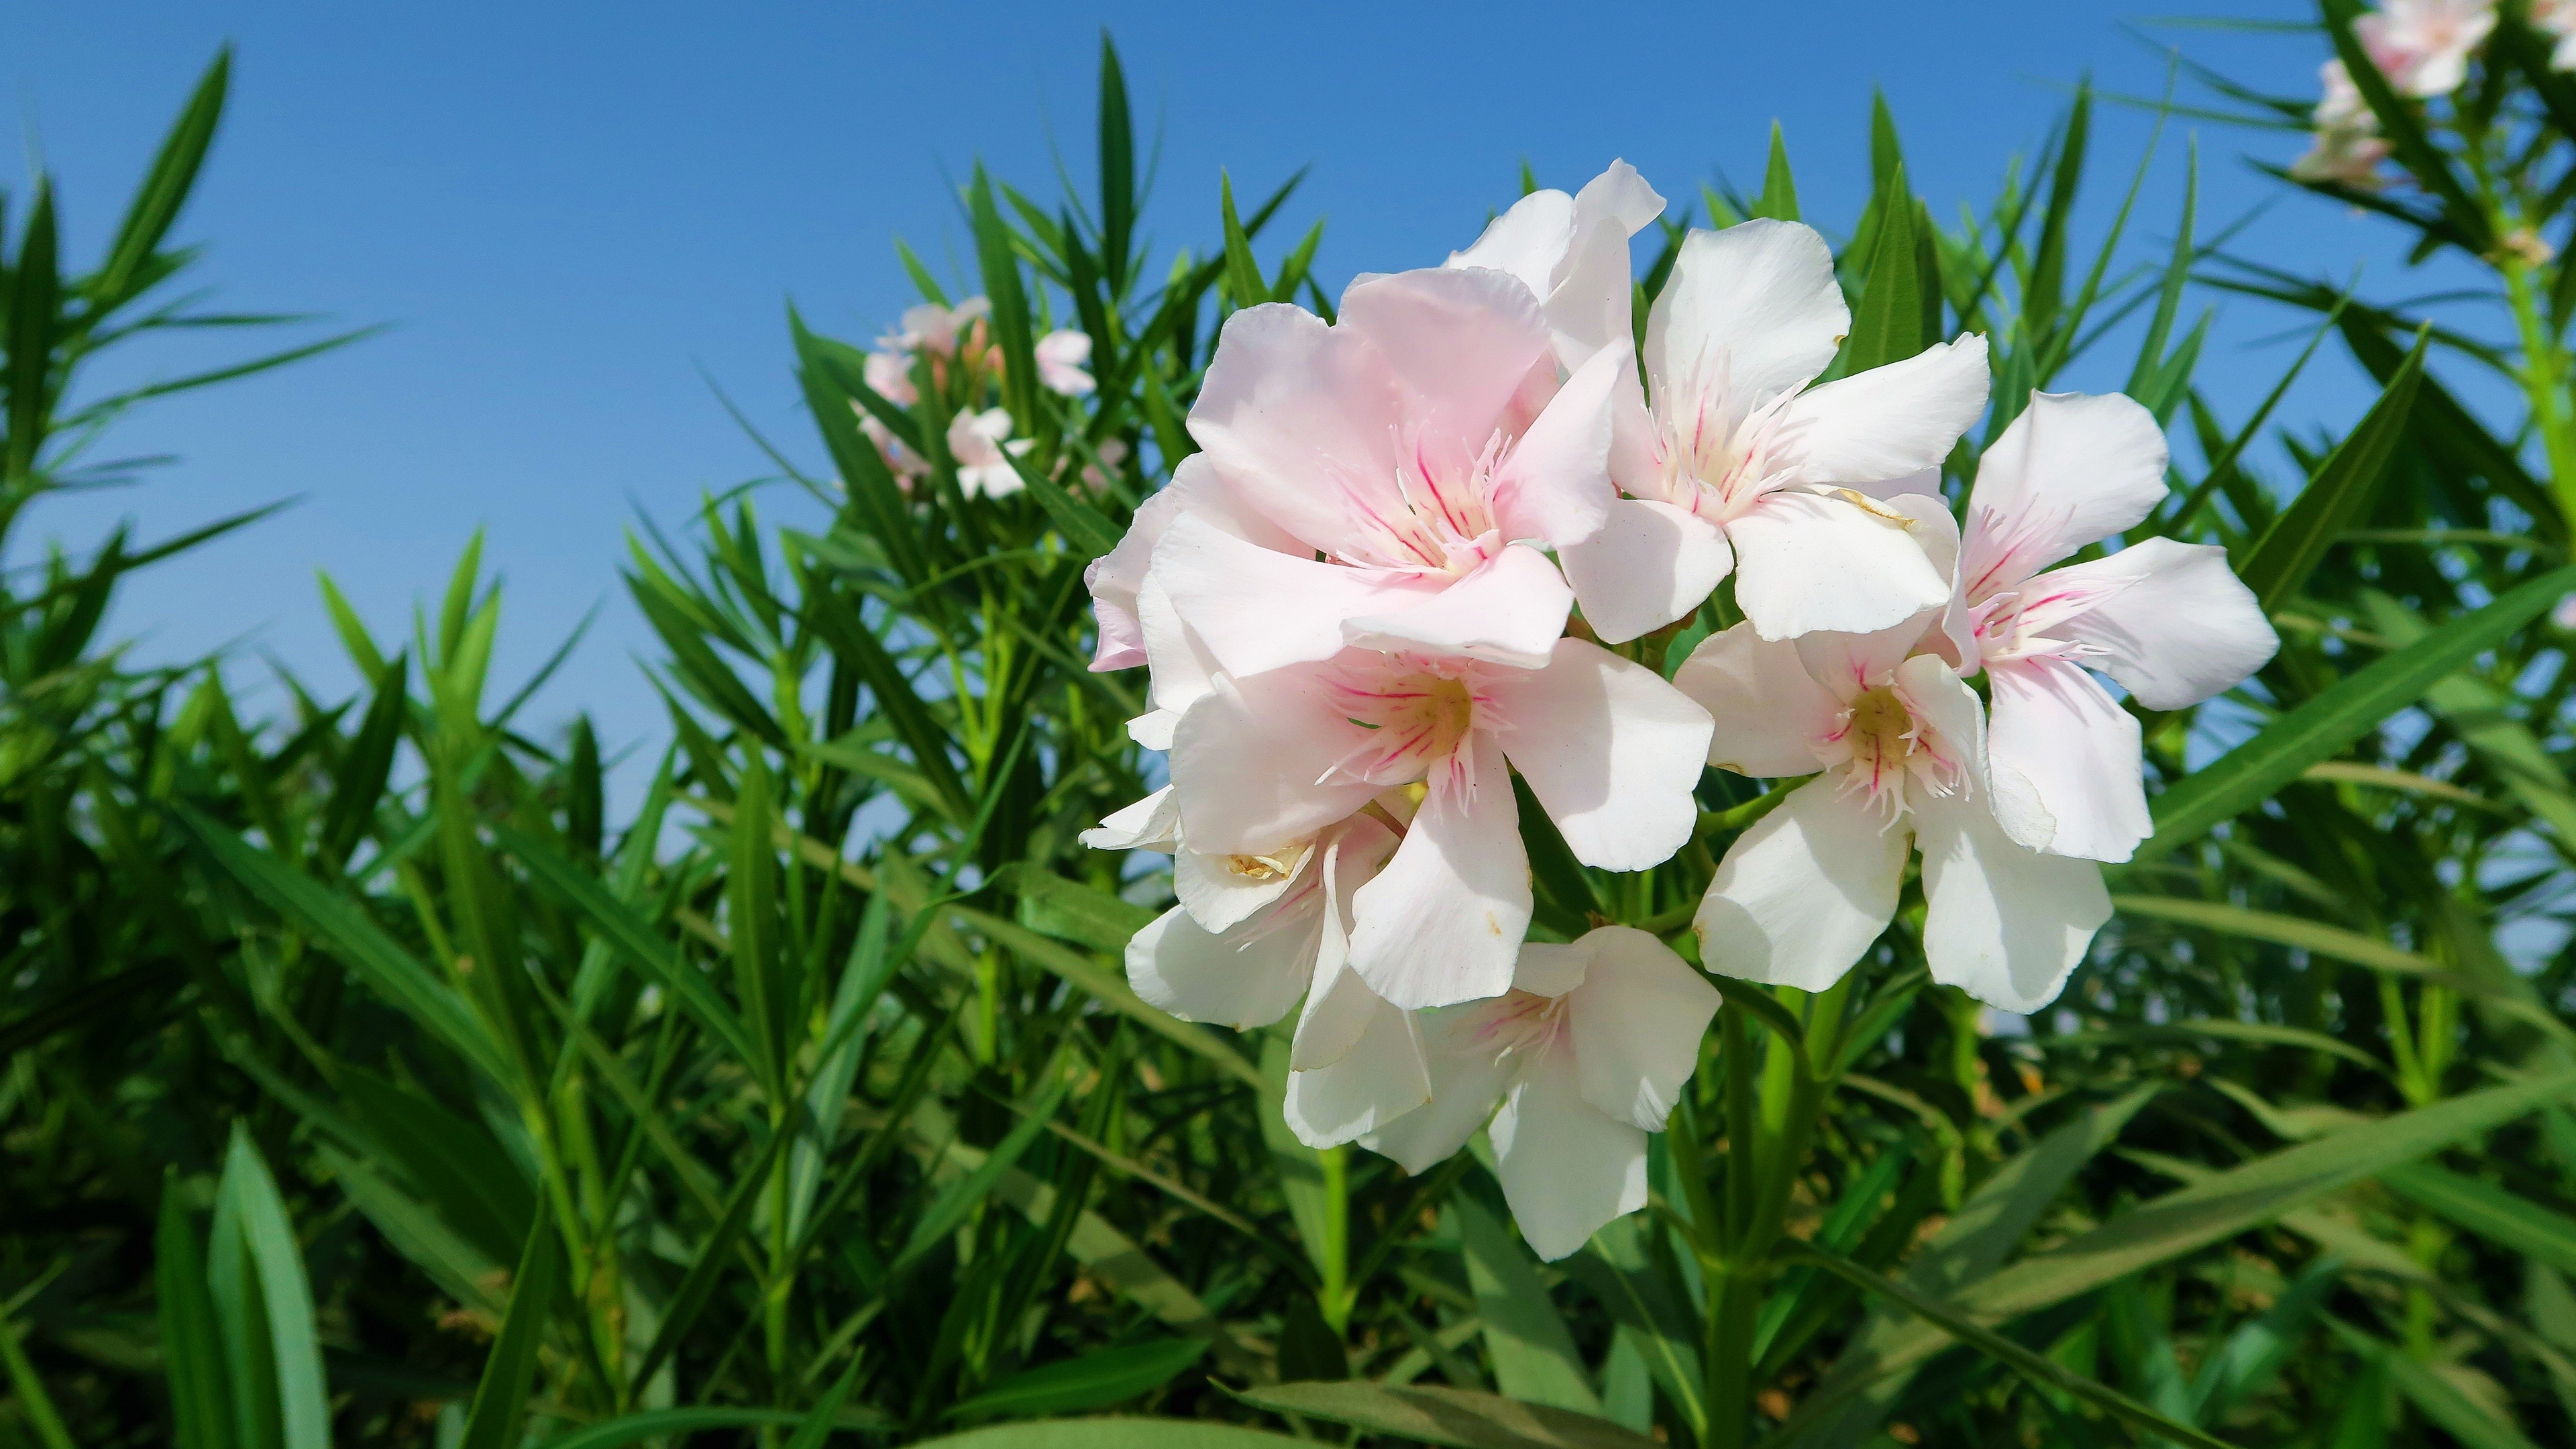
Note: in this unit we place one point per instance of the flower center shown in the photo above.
(1413, 712)
(1719, 451)
(1443, 517)
(1519, 1021)
(1879, 746)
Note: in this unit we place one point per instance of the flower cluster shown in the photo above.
(1381, 608)
(2423, 49)
(951, 349)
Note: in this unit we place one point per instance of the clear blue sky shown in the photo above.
(574, 215)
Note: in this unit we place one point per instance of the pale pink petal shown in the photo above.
(1381, 1079)
(1153, 729)
(1339, 1006)
(1460, 344)
(1758, 299)
(1253, 761)
(1114, 577)
(1529, 241)
(2075, 751)
(2071, 470)
(1220, 891)
(1566, 1169)
(1611, 751)
(1443, 920)
(1152, 823)
(2184, 629)
(1650, 564)
(1511, 611)
(1846, 664)
(1635, 1025)
(1256, 609)
(1804, 893)
(1179, 665)
(1888, 422)
(1243, 978)
(1555, 484)
(1618, 194)
(2002, 922)
(1807, 560)
(1768, 709)
(1303, 420)
(1464, 1088)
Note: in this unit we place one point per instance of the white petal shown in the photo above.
(1218, 891)
(2070, 470)
(1846, 664)
(1566, 1169)
(1247, 759)
(2186, 629)
(1892, 421)
(1242, 978)
(1464, 1089)
(1650, 564)
(1804, 892)
(1510, 611)
(1592, 309)
(1340, 1006)
(1460, 344)
(1621, 195)
(1768, 709)
(1380, 1078)
(2078, 752)
(1611, 751)
(1257, 609)
(1114, 577)
(1759, 298)
(2002, 921)
(1555, 484)
(1934, 529)
(1529, 241)
(1443, 920)
(1296, 414)
(1153, 729)
(1179, 667)
(1153, 823)
(1635, 1025)
(1807, 560)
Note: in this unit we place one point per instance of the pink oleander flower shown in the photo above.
(2557, 18)
(2423, 46)
(1061, 358)
(1259, 762)
(907, 466)
(1575, 1064)
(1252, 935)
(1423, 445)
(2167, 620)
(1897, 744)
(2347, 155)
(1572, 253)
(983, 447)
(935, 329)
(1741, 465)
(889, 376)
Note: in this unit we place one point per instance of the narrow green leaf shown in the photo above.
(1526, 1340)
(2345, 711)
(2338, 497)
(2500, 1217)
(192, 1358)
(166, 186)
(1071, 911)
(1888, 325)
(1117, 171)
(510, 1372)
(1011, 318)
(1103, 1434)
(277, 1261)
(709, 1264)
(1094, 1381)
(1243, 279)
(1457, 1418)
(1779, 199)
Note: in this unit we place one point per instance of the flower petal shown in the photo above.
(1758, 299)
(1464, 1088)
(1767, 707)
(1510, 611)
(2077, 754)
(1566, 1169)
(1249, 763)
(2185, 629)
(1257, 609)
(2002, 922)
(1555, 483)
(1219, 891)
(2070, 470)
(1650, 564)
(1380, 1078)
(1802, 894)
(1611, 751)
(1459, 343)
(1153, 823)
(1529, 241)
(1635, 1025)
(1443, 920)
(1243, 978)
(1618, 194)
(1114, 577)
(1299, 417)
(1889, 422)
(1807, 560)
(1339, 1006)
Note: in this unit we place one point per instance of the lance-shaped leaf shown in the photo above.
(2338, 497)
(1458, 1418)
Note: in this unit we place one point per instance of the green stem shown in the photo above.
(2544, 375)
(39, 1406)
(1336, 1294)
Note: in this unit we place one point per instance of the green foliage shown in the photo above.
(367, 1083)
